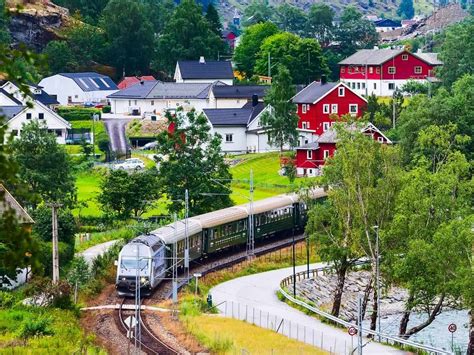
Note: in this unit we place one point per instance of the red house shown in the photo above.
(381, 71)
(128, 81)
(318, 106)
(311, 157)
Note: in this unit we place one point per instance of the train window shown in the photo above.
(215, 233)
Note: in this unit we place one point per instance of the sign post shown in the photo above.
(452, 328)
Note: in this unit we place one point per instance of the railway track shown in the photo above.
(146, 340)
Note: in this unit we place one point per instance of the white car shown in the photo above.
(129, 164)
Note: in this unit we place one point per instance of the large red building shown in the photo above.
(381, 71)
(318, 106)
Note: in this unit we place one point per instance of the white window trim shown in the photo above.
(326, 108)
(420, 69)
(356, 108)
(380, 139)
(303, 108)
(304, 125)
(309, 154)
(326, 154)
(326, 126)
(404, 56)
(341, 91)
(334, 108)
(392, 70)
(231, 137)
(371, 70)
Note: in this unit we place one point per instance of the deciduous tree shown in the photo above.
(290, 18)
(320, 23)
(194, 162)
(281, 119)
(406, 9)
(212, 17)
(258, 11)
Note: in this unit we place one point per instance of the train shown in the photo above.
(148, 259)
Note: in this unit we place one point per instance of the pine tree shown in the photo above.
(213, 18)
(406, 9)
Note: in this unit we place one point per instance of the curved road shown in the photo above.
(253, 297)
(116, 130)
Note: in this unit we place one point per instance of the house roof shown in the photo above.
(91, 81)
(131, 80)
(234, 116)
(239, 91)
(11, 97)
(313, 92)
(11, 111)
(206, 70)
(45, 98)
(387, 23)
(161, 90)
(380, 56)
(7, 201)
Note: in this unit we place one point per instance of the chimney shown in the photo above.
(254, 100)
(142, 82)
(324, 80)
(202, 60)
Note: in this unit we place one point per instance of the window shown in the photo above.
(375, 86)
(229, 137)
(135, 102)
(152, 102)
(380, 139)
(59, 133)
(309, 154)
(334, 108)
(349, 70)
(41, 116)
(377, 70)
(304, 125)
(84, 83)
(326, 108)
(341, 91)
(153, 118)
(310, 171)
(404, 56)
(326, 126)
(418, 70)
(129, 102)
(306, 141)
(363, 85)
(371, 70)
(391, 70)
(303, 108)
(343, 70)
(69, 99)
(104, 82)
(391, 86)
(356, 69)
(28, 116)
(76, 96)
(353, 109)
(358, 86)
(14, 132)
(326, 154)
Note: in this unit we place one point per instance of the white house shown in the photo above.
(235, 96)
(203, 71)
(79, 88)
(19, 110)
(240, 128)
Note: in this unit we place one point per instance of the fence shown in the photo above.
(389, 339)
(286, 327)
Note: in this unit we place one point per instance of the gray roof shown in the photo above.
(91, 81)
(330, 136)
(11, 111)
(234, 116)
(313, 92)
(380, 56)
(239, 91)
(371, 56)
(7, 201)
(11, 97)
(310, 146)
(161, 90)
(206, 70)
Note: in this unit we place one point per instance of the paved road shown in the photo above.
(99, 249)
(253, 297)
(116, 130)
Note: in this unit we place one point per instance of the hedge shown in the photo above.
(77, 113)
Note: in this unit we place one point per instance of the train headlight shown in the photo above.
(143, 280)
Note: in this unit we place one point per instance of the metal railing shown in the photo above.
(288, 281)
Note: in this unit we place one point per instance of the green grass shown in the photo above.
(73, 148)
(88, 188)
(57, 331)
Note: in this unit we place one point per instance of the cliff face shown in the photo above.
(35, 24)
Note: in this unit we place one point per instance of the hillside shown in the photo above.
(387, 8)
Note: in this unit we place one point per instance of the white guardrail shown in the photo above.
(288, 281)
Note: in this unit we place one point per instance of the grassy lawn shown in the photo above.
(40, 330)
(87, 184)
(230, 336)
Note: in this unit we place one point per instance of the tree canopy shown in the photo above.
(194, 162)
(406, 9)
(320, 23)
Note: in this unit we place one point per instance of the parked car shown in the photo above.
(150, 145)
(129, 164)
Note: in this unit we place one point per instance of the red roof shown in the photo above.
(131, 80)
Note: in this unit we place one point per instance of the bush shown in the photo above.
(6, 299)
(106, 109)
(50, 294)
(34, 328)
(77, 113)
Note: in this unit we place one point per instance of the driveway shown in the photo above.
(254, 298)
(116, 130)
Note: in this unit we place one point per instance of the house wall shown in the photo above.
(64, 87)
(315, 116)
(125, 106)
(50, 120)
(239, 142)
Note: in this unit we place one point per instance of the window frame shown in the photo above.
(418, 69)
(356, 109)
(326, 108)
(405, 57)
(380, 139)
(326, 126)
(334, 110)
(231, 135)
(391, 85)
(303, 108)
(341, 91)
(326, 153)
(309, 154)
(392, 70)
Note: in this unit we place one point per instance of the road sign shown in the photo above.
(130, 322)
(197, 274)
(352, 331)
(452, 327)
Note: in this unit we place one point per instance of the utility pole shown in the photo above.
(54, 224)
(269, 66)
(137, 302)
(294, 267)
(307, 255)
(186, 234)
(359, 324)
(251, 238)
(175, 263)
(377, 278)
